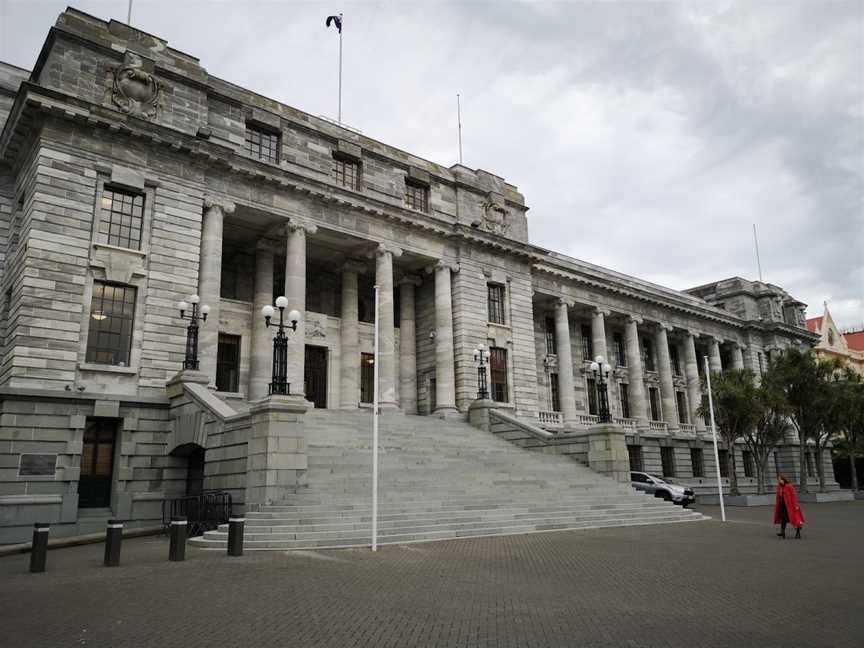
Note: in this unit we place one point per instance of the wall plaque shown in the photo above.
(42, 465)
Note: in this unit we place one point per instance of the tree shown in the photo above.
(736, 410)
(771, 423)
(848, 418)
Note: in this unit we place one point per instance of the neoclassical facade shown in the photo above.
(130, 179)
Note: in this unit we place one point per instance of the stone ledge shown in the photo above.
(834, 496)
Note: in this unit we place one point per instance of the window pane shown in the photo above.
(498, 374)
(123, 213)
(496, 303)
(262, 144)
(112, 313)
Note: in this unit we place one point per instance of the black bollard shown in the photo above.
(113, 538)
(235, 536)
(39, 548)
(177, 551)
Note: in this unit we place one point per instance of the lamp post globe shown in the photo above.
(199, 312)
(279, 379)
(481, 354)
(600, 370)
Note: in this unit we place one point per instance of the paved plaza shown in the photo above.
(690, 585)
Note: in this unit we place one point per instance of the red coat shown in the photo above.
(793, 509)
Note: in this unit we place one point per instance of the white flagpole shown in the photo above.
(375, 434)
(341, 25)
(459, 121)
(758, 260)
(714, 434)
(129, 14)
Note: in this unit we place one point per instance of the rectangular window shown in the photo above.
(667, 458)
(592, 396)
(674, 359)
(654, 400)
(625, 400)
(112, 313)
(498, 374)
(648, 355)
(587, 346)
(725, 359)
(346, 173)
(811, 465)
(496, 303)
(367, 379)
(697, 460)
(683, 414)
(620, 355)
(262, 144)
(228, 363)
(635, 454)
(122, 218)
(553, 391)
(724, 462)
(551, 347)
(416, 197)
(749, 465)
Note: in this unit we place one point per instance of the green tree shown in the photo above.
(771, 423)
(736, 411)
(847, 418)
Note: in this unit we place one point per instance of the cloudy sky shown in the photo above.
(646, 137)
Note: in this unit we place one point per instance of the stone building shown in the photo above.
(130, 179)
(846, 347)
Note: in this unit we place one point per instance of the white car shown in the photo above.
(659, 487)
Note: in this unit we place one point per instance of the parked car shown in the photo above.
(660, 487)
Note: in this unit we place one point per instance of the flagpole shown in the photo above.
(129, 14)
(375, 432)
(459, 121)
(340, 68)
(758, 261)
(714, 434)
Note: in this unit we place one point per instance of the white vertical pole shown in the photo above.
(459, 122)
(341, 25)
(129, 14)
(758, 260)
(714, 434)
(375, 434)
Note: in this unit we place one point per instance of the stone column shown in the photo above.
(667, 388)
(714, 361)
(349, 356)
(210, 282)
(694, 387)
(737, 356)
(261, 365)
(636, 389)
(407, 345)
(295, 291)
(566, 393)
(384, 256)
(598, 333)
(445, 372)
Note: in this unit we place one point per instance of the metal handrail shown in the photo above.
(203, 512)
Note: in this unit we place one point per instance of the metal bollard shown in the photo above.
(177, 551)
(235, 536)
(113, 538)
(39, 548)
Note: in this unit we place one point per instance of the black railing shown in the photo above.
(203, 512)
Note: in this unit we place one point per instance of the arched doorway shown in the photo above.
(194, 454)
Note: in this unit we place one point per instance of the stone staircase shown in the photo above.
(438, 480)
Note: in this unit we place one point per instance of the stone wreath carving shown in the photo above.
(496, 219)
(135, 91)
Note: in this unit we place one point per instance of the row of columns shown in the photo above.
(637, 400)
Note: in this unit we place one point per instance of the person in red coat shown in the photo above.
(786, 508)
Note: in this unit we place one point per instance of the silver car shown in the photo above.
(660, 487)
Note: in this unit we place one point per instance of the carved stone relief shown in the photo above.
(135, 91)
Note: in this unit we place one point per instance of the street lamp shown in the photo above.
(481, 355)
(600, 370)
(198, 312)
(280, 384)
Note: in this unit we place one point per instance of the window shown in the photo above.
(620, 355)
(635, 454)
(811, 465)
(674, 360)
(592, 396)
(725, 359)
(625, 400)
(112, 312)
(587, 346)
(654, 400)
(346, 172)
(724, 462)
(122, 218)
(262, 144)
(553, 391)
(648, 355)
(697, 461)
(747, 460)
(416, 197)
(667, 458)
(228, 363)
(683, 414)
(367, 379)
(551, 347)
(496, 303)
(498, 374)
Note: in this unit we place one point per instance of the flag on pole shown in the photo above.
(336, 20)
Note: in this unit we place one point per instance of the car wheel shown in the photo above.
(666, 495)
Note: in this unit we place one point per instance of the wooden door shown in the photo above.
(97, 465)
(315, 376)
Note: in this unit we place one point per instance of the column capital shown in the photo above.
(599, 310)
(693, 333)
(217, 202)
(662, 326)
(354, 265)
(567, 303)
(441, 264)
(409, 280)
(300, 226)
(634, 319)
(388, 248)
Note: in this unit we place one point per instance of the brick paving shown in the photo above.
(691, 585)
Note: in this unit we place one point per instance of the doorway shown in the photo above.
(367, 378)
(97, 465)
(315, 376)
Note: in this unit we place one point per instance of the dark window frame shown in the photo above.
(681, 402)
(634, 454)
(498, 374)
(417, 196)
(675, 359)
(553, 392)
(648, 355)
(697, 462)
(111, 326)
(667, 460)
(228, 367)
(263, 143)
(620, 352)
(347, 171)
(367, 377)
(654, 404)
(587, 343)
(495, 303)
(624, 399)
(591, 388)
(748, 463)
(551, 342)
(723, 456)
(122, 217)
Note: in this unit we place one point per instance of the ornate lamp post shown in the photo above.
(198, 312)
(280, 384)
(600, 370)
(481, 355)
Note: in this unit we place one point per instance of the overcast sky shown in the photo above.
(646, 137)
